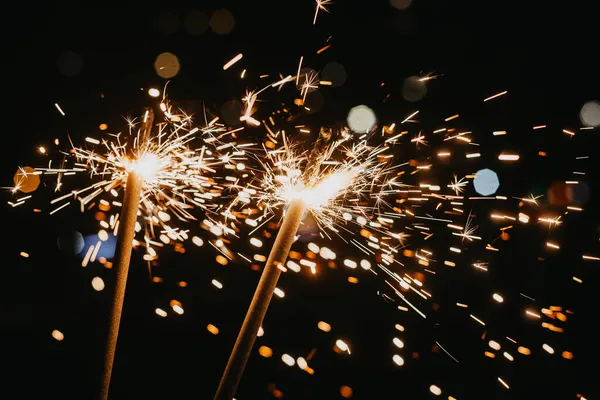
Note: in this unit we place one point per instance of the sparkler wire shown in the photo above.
(260, 302)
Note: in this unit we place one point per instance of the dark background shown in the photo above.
(543, 53)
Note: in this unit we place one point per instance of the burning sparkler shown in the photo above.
(178, 176)
(360, 194)
(162, 176)
(334, 182)
(350, 184)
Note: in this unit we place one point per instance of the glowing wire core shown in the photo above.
(148, 166)
(319, 195)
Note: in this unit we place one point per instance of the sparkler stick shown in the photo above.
(315, 182)
(122, 257)
(125, 237)
(260, 301)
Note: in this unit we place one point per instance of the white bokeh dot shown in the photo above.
(98, 284)
(486, 182)
(361, 119)
(590, 114)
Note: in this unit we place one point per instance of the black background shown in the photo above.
(543, 53)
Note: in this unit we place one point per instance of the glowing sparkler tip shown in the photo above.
(147, 166)
(319, 195)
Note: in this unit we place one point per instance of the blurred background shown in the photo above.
(98, 62)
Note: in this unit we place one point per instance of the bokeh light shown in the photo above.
(398, 360)
(346, 392)
(71, 242)
(58, 335)
(265, 351)
(160, 312)
(168, 23)
(98, 284)
(590, 114)
(399, 343)
(212, 329)
(335, 73)
(26, 179)
(486, 182)
(400, 4)
(196, 22)
(231, 111)
(94, 248)
(324, 326)
(414, 89)
(222, 22)
(69, 63)
(166, 65)
(314, 102)
(435, 390)
(579, 193)
(289, 360)
(176, 306)
(361, 119)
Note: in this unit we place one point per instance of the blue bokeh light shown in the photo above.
(107, 248)
(486, 182)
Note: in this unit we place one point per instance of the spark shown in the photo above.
(59, 109)
(530, 199)
(409, 117)
(249, 100)
(232, 61)
(503, 383)
(508, 157)
(321, 5)
(495, 96)
(322, 49)
(311, 82)
(477, 319)
(299, 69)
(445, 351)
(468, 230)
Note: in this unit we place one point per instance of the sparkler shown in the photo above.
(341, 183)
(177, 178)
(260, 302)
(141, 169)
(122, 256)
(364, 186)
(316, 182)
(161, 176)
